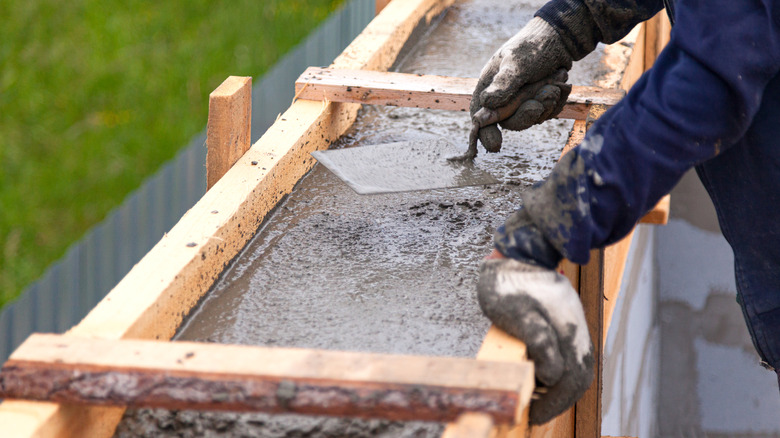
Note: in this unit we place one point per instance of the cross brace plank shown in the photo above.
(422, 91)
(188, 375)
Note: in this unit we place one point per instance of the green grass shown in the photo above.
(96, 95)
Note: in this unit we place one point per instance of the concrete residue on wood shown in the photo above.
(391, 273)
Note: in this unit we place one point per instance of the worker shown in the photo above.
(711, 101)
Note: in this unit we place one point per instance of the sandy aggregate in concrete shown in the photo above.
(391, 273)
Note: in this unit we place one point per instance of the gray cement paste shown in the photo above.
(402, 166)
(392, 273)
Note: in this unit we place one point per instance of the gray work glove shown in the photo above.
(528, 72)
(540, 307)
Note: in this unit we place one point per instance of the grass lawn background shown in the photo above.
(96, 95)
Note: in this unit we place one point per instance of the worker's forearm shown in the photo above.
(698, 100)
(582, 24)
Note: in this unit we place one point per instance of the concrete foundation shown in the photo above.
(392, 273)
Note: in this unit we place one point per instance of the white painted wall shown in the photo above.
(711, 382)
(631, 352)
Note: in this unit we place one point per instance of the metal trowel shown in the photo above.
(402, 167)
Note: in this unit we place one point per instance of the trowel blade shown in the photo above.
(402, 167)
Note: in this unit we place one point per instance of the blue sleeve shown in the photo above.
(699, 98)
(584, 23)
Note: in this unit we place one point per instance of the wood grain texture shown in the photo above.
(228, 132)
(422, 91)
(561, 426)
(587, 411)
(187, 375)
(499, 346)
(472, 425)
(156, 295)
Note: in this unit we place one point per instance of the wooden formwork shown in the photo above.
(152, 300)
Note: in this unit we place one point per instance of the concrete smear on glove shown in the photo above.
(392, 273)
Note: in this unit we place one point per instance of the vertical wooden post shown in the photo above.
(228, 134)
(380, 4)
(587, 411)
(651, 39)
(657, 32)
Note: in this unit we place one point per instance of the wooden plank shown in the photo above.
(228, 133)
(652, 39)
(188, 375)
(498, 346)
(636, 63)
(379, 5)
(659, 215)
(615, 257)
(473, 425)
(588, 409)
(658, 30)
(422, 91)
(155, 296)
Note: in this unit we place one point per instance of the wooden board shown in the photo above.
(156, 295)
(472, 425)
(188, 375)
(422, 91)
(587, 411)
(229, 130)
(379, 5)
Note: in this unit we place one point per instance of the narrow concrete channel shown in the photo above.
(391, 273)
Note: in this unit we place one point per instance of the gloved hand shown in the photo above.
(539, 307)
(527, 73)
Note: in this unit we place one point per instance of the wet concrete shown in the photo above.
(393, 273)
(403, 166)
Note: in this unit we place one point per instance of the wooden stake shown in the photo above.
(229, 131)
(588, 408)
(188, 375)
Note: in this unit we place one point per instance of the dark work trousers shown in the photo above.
(744, 184)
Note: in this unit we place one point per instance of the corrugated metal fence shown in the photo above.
(74, 285)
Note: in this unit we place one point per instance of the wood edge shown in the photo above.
(231, 86)
(375, 48)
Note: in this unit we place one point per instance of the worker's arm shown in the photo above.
(699, 98)
(561, 32)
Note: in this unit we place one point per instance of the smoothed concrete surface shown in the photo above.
(389, 273)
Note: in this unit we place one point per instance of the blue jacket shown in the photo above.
(711, 101)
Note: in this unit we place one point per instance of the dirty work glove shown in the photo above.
(529, 73)
(539, 306)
